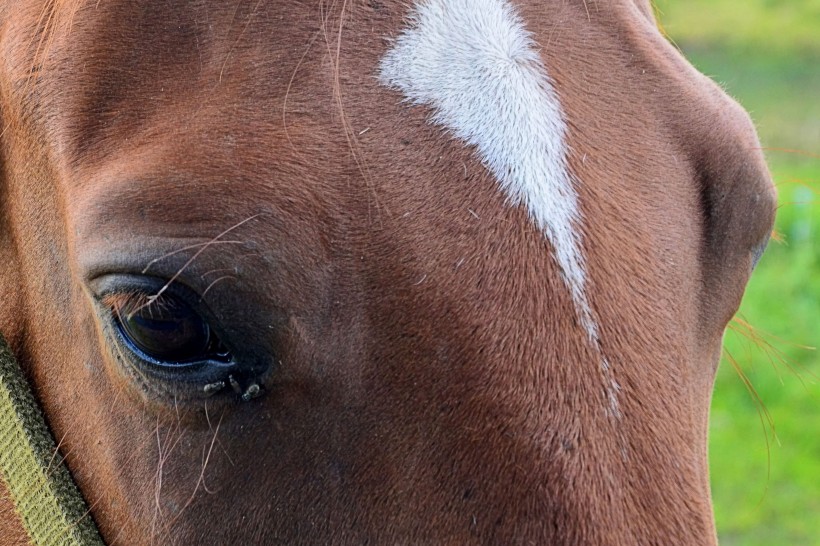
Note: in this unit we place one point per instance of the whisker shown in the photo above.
(183, 249)
(202, 297)
(775, 355)
(764, 416)
(56, 451)
(164, 452)
(81, 518)
(789, 151)
(221, 445)
(783, 204)
(220, 270)
(287, 92)
(806, 183)
(239, 38)
(201, 476)
(197, 254)
(334, 54)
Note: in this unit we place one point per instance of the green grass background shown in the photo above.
(766, 475)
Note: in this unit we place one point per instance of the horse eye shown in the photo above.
(167, 330)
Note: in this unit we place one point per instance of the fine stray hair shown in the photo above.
(201, 248)
(571, 214)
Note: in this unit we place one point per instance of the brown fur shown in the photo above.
(430, 382)
(11, 526)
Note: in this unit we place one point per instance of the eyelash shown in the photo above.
(125, 304)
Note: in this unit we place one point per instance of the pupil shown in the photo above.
(167, 331)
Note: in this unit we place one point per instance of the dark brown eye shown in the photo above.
(165, 329)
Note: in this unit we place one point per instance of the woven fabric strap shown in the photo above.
(50, 505)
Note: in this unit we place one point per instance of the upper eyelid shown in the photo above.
(131, 301)
(118, 295)
(133, 348)
(122, 289)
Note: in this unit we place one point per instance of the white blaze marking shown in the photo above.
(473, 62)
(477, 67)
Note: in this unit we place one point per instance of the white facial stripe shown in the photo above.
(476, 66)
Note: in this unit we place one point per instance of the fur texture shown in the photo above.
(474, 63)
(424, 376)
(477, 67)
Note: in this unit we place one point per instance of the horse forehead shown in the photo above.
(475, 65)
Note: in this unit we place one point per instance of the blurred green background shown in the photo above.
(765, 447)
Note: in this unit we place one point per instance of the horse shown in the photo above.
(373, 271)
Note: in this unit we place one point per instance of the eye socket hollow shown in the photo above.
(164, 328)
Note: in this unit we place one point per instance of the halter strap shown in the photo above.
(49, 504)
